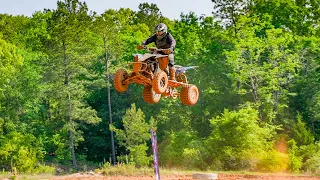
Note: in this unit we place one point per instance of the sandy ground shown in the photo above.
(185, 177)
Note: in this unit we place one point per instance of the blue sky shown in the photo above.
(169, 8)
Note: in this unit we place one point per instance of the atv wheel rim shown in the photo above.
(123, 78)
(193, 94)
(162, 82)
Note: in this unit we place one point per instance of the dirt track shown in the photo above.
(186, 177)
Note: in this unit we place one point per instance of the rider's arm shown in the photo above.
(171, 41)
(149, 40)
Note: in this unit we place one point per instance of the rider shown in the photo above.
(164, 40)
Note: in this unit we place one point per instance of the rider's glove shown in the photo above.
(143, 45)
(171, 49)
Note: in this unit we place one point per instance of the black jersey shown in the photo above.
(164, 43)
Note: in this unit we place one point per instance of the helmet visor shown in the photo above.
(159, 33)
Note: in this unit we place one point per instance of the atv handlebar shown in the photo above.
(166, 51)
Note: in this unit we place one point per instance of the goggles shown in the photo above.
(159, 33)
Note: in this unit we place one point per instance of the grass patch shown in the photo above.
(131, 170)
(27, 176)
(126, 170)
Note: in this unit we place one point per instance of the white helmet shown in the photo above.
(161, 30)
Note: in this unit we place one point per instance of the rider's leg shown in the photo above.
(172, 69)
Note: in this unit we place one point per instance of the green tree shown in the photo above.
(306, 86)
(297, 16)
(295, 161)
(150, 15)
(115, 42)
(238, 140)
(266, 66)
(229, 11)
(70, 51)
(13, 28)
(134, 135)
(21, 151)
(10, 64)
(182, 148)
(301, 134)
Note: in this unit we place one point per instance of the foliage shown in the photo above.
(295, 161)
(301, 134)
(273, 161)
(310, 155)
(134, 135)
(39, 169)
(20, 151)
(150, 15)
(237, 139)
(127, 170)
(181, 149)
(264, 67)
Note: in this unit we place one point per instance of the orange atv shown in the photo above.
(151, 70)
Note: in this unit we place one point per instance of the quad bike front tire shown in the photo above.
(160, 82)
(189, 95)
(118, 80)
(150, 96)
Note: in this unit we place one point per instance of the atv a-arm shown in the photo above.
(139, 74)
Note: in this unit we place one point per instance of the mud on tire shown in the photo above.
(189, 95)
(160, 82)
(119, 77)
(150, 96)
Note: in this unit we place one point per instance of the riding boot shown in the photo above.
(172, 73)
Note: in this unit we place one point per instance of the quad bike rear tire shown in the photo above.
(150, 96)
(160, 82)
(119, 77)
(189, 95)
